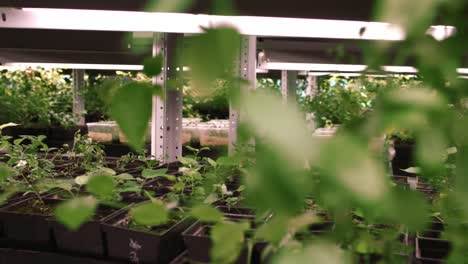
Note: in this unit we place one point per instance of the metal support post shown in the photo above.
(78, 99)
(158, 115)
(166, 122)
(289, 86)
(246, 69)
(312, 88)
(173, 139)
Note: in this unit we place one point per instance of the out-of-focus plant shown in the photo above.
(36, 98)
(345, 175)
(340, 100)
(214, 106)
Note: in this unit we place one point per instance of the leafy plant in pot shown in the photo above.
(148, 232)
(25, 225)
(223, 235)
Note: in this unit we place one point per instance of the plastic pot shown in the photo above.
(431, 250)
(136, 246)
(24, 227)
(88, 239)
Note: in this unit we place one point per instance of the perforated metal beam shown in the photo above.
(166, 122)
(312, 87)
(78, 99)
(246, 66)
(158, 115)
(289, 86)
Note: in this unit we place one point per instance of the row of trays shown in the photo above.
(108, 235)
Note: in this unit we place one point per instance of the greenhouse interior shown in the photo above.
(233, 131)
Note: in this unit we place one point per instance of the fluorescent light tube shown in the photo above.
(73, 19)
(322, 67)
(122, 67)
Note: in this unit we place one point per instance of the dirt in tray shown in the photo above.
(34, 206)
(102, 212)
(127, 222)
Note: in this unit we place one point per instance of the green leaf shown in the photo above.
(131, 108)
(408, 208)
(129, 186)
(212, 162)
(150, 214)
(206, 213)
(149, 173)
(102, 186)
(273, 231)
(210, 56)
(18, 141)
(5, 172)
(194, 150)
(82, 180)
(211, 198)
(49, 184)
(169, 177)
(125, 177)
(228, 241)
(152, 66)
(365, 181)
(188, 161)
(73, 213)
(318, 252)
(228, 161)
(104, 171)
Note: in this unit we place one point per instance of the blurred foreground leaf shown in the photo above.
(101, 186)
(131, 108)
(210, 56)
(206, 213)
(73, 213)
(228, 241)
(319, 252)
(150, 213)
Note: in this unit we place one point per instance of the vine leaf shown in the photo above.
(210, 56)
(101, 186)
(73, 213)
(206, 213)
(149, 173)
(319, 252)
(131, 108)
(5, 172)
(152, 66)
(228, 240)
(152, 213)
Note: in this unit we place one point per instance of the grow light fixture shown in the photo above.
(441, 32)
(319, 67)
(322, 68)
(130, 21)
(399, 69)
(122, 67)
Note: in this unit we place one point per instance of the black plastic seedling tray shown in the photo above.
(88, 240)
(199, 244)
(137, 246)
(23, 229)
(15, 256)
